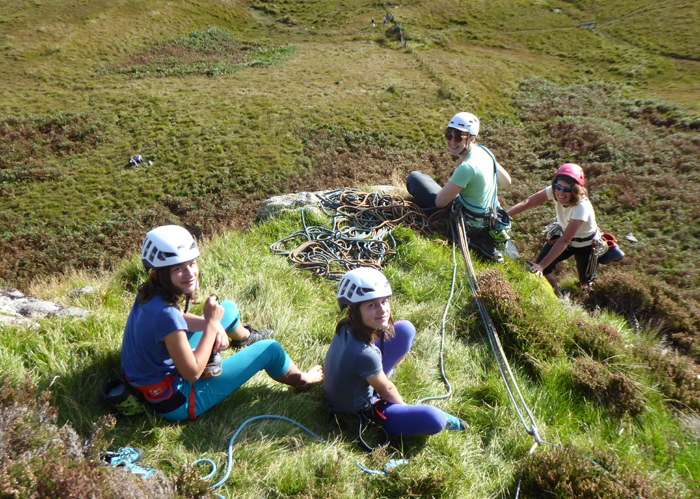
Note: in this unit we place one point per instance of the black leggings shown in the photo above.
(424, 189)
(582, 255)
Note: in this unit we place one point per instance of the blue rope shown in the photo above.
(444, 318)
(127, 456)
(388, 467)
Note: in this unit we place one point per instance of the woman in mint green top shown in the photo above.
(475, 177)
(475, 183)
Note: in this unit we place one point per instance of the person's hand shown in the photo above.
(221, 342)
(212, 310)
(536, 269)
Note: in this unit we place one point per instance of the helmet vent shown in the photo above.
(163, 256)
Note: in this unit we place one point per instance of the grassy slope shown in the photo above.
(276, 460)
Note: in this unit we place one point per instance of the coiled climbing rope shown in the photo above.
(356, 235)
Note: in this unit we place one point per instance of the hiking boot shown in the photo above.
(213, 368)
(255, 336)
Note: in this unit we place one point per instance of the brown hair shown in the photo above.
(160, 283)
(578, 192)
(359, 331)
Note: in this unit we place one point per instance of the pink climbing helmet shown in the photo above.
(574, 171)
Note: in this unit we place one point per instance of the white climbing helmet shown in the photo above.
(360, 285)
(465, 122)
(168, 245)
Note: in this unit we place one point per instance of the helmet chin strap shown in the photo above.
(188, 297)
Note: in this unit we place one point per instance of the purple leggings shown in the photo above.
(407, 419)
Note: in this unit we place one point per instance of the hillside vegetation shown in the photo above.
(597, 389)
(230, 103)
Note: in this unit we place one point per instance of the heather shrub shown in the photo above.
(213, 52)
(644, 300)
(500, 296)
(520, 333)
(677, 377)
(567, 474)
(599, 341)
(40, 459)
(29, 144)
(614, 391)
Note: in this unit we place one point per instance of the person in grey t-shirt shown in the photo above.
(366, 347)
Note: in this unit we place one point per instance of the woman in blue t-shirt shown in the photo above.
(575, 227)
(366, 346)
(176, 370)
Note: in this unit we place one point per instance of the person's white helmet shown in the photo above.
(360, 285)
(168, 245)
(465, 122)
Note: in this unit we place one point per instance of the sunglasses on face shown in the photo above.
(456, 135)
(565, 189)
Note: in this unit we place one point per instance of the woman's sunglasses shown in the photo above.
(457, 135)
(565, 189)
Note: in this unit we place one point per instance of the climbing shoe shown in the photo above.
(127, 456)
(455, 424)
(123, 397)
(500, 239)
(213, 368)
(254, 337)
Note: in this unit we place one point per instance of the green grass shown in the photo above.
(73, 359)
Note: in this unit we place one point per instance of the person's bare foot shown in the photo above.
(301, 380)
(313, 375)
(309, 378)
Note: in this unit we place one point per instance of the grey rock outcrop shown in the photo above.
(275, 205)
(272, 207)
(17, 309)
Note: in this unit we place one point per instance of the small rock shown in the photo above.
(16, 321)
(19, 310)
(273, 206)
(87, 290)
(34, 308)
(71, 312)
(6, 308)
(10, 292)
(629, 237)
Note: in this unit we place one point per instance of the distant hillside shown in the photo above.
(229, 103)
